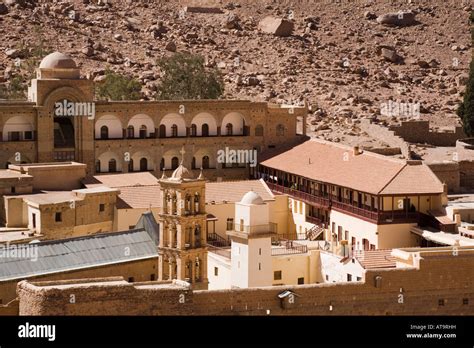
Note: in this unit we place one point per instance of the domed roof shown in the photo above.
(57, 60)
(181, 173)
(251, 197)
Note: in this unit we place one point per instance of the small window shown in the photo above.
(260, 251)
(359, 279)
(277, 275)
(152, 277)
(131, 280)
(101, 207)
(300, 280)
(441, 302)
(465, 301)
(349, 277)
(216, 271)
(58, 217)
(28, 135)
(259, 266)
(327, 277)
(13, 190)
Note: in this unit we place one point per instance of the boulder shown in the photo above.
(400, 19)
(276, 26)
(170, 46)
(232, 21)
(391, 55)
(3, 9)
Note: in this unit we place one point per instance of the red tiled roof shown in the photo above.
(367, 172)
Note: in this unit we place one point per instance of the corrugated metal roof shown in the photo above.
(75, 253)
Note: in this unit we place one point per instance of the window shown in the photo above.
(143, 164)
(174, 163)
(346, 235)
(230, 224)
(205, 162)
(174, 131)
(13, 189)
(349, 277)
(229, 129)
(277, 275)
(97, 166)
(112, 166)
(193, 130)
(143, 132)
(101, 207)
(130, 165)
(28, 135)
(162, 131)
(300, 280)
(130, 132)
(259, 266)
(131, 280)
(327, 277)
(301, 207)
(205, 130)
(260, 251)
(441, 302)
(359, 279)
(152, 277)
(193, 163)
(216, 271)
(259, 130)
(104, 132)
(465, 301)
(58, 217)
(14, 136)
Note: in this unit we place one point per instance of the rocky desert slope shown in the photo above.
(339, 58)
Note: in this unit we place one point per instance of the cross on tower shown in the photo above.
(182, 152)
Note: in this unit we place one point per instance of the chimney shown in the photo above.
(356, 151)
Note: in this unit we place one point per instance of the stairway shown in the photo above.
(314, 232)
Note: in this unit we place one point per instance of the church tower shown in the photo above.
(182, 249)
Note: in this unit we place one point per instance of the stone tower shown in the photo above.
(182, 249)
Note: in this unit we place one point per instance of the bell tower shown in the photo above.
(182, 249)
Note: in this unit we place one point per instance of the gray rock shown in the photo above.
(3, 9)
(391, 55)
(400, 19)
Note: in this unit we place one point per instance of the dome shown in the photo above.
(57, 60)
(251, 197)
(181, 173)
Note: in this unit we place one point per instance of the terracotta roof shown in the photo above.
(367, 172)
(370, 259)
(139, 197)
(121, 180)
(233, 191)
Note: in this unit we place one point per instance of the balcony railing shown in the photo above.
(365, 212)
(271, 227)
(289, 247)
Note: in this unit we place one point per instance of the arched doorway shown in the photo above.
(104, 132)
(112, 165)
(143, 164)
(174, 163)
(205, 162)
(205, 130)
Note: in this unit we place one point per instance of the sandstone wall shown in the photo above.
(419, 132)
(442, 286)
(448, 173)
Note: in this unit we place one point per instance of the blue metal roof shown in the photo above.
(75, 253)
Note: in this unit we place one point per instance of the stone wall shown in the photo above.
(447, 173)
(466, 169)
(442, 285)
(384, 134)
(419, 132)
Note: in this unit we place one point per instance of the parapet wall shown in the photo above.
(442, 285)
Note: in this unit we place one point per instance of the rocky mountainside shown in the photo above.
(344, 58)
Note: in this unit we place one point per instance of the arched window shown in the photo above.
(174, 163)
(104, 132)
(205, 130)
(174, 131)
(193, 163)
(143, 164)
(130, 132)
(280, 130)
(205, 162)
(97, 166)
(259, 131)
(162, 163)
(193, 130)
(130, 165)
(162, 131)
(196, 203)
(197, 236)
(229, 129)
(112, 166)
(143, 132)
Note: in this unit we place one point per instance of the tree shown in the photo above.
(185, 77)
(118, 87)
(466, 108)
